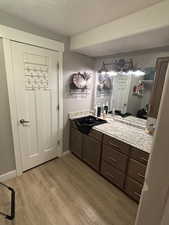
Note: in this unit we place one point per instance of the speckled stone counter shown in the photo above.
(132, 120)
(130, 130)
(131, 135)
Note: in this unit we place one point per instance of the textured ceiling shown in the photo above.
(70, 17)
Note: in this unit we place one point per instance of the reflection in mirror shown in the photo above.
(125, 92)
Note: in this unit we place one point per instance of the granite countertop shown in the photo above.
(130, 130)
(132, 120)
(129, 134)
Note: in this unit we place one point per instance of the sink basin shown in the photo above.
(85, 124)
(89, 120)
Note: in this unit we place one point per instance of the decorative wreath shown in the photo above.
(79, 80)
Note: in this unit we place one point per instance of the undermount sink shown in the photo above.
(90, 121)
(85, 124)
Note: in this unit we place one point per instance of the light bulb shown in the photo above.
(138, 73)
(112, 73)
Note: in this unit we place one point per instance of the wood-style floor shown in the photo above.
(67, 192)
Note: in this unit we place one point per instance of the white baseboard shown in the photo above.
(65, 153)
(8, 175)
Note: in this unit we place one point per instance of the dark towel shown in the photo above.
(85, 124)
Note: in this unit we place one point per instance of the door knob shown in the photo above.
(22, 121)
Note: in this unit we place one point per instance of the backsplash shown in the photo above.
(74, 115)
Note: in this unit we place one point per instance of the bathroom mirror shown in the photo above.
(125, 92)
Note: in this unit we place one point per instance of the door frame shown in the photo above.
(9, 34)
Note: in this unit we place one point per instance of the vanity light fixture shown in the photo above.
(121, 67)
(104, 71)
(138, 73)
(112, 73)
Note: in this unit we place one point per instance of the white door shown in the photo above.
(120, 93)
(35, 76)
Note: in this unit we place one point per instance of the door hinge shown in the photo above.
(58, 107)
(58, 142)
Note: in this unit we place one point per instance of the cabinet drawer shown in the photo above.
(133, 189)
(116, 144)
(113, 175)
(136, 170)
(96, 134)
(139, 155)
(114, 158)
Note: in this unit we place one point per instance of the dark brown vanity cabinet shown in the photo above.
(135, 174)
(114, 160)
(91, 151)
(114, 175)
(161, 69)
(120, 163)
(139, 155)
(133, 188)
(116, 144)
(76, 142)
(86, 147)
(136, 170)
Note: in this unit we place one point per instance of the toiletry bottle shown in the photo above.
(99, 109)
(106, 108)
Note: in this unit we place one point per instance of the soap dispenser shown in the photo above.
(106, 108)
(99, 109)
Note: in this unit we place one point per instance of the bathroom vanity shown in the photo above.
(117, 151)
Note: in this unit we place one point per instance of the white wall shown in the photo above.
(7, 160)
(73, 63)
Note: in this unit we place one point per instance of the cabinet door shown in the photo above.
(91, 151)
(161, 69)
(136, 170)
(76, 142)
